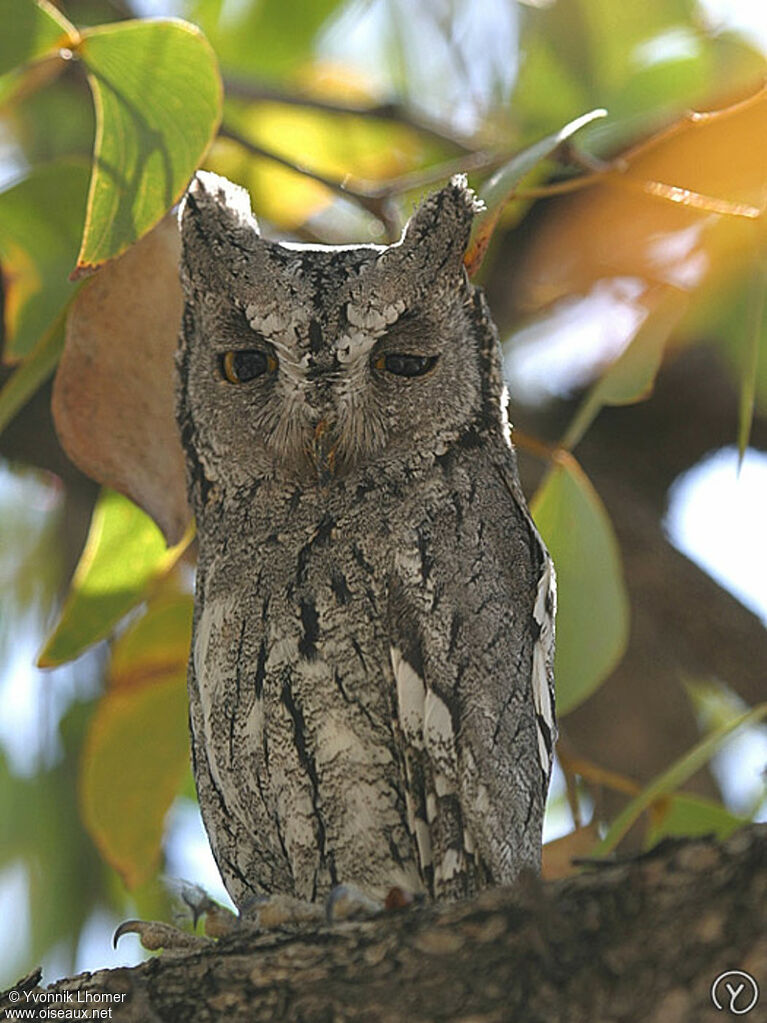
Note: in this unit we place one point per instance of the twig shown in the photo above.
(262, 91)
(375, 198)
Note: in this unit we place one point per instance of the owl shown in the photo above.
(370, 679)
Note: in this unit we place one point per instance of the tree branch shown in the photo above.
(638, 940)
(256, 91)
(374, 197)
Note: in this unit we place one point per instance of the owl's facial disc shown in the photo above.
(310, 363)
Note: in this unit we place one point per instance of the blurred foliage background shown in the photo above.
(626, 270)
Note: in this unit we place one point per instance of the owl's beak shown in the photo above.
(323, 450)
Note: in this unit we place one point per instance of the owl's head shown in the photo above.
(308, 362)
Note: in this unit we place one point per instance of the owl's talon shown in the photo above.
(218, 919)
(346, 902)
(156, 935)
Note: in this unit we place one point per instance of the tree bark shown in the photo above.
(640, 940)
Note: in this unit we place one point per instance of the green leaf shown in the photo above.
(547, 92)
(158, 643)
(49, 845)
(725, 316)
(632, 376)
(675, 776)
(134, 762)
(56, 123)
(592, 605)
(755, 331)
(273, 37)
(687, 816)
(124, 553)
(31, 29)
(33, 371)
(136, 755)
(41, 220)
(499, 188)
(157, 93)
(646, 62)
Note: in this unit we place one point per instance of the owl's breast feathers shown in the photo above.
(370, 691)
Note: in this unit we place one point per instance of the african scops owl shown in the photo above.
(371, 671)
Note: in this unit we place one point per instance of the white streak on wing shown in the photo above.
(505, 424)
(423, 841)
(410, 808)
(410, 698)
(431, 807)
(282, 650)
(483, 801)
(468, 842)
(337, 743)
(441, 785)
(209, 652)
(543, 653)
(438, 731)
(214, 670)
(452, 863)
(543, 753)
(254, 728)
(297, 824)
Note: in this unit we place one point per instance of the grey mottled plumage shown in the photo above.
(370, 680)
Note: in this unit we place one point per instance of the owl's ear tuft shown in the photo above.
(213, 212)
(441, 225)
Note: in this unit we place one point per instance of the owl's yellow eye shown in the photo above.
(239, 367)
(404, 365)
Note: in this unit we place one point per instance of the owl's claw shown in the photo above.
(275, 911)
(346, 902)
(156, 935)
(218, 919)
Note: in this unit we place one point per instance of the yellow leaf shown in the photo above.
(134, 761)
(685, 208)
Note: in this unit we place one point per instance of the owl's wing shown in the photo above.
(472, 619)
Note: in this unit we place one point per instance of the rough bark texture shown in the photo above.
(634, 941)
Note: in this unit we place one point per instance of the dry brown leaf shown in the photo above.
(113, 400)
(558, 855)
(687, 208)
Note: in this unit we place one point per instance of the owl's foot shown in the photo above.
(156, 935)
(346, 902)
(269, 912)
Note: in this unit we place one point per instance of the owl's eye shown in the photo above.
(405, 365)
(243, 366)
